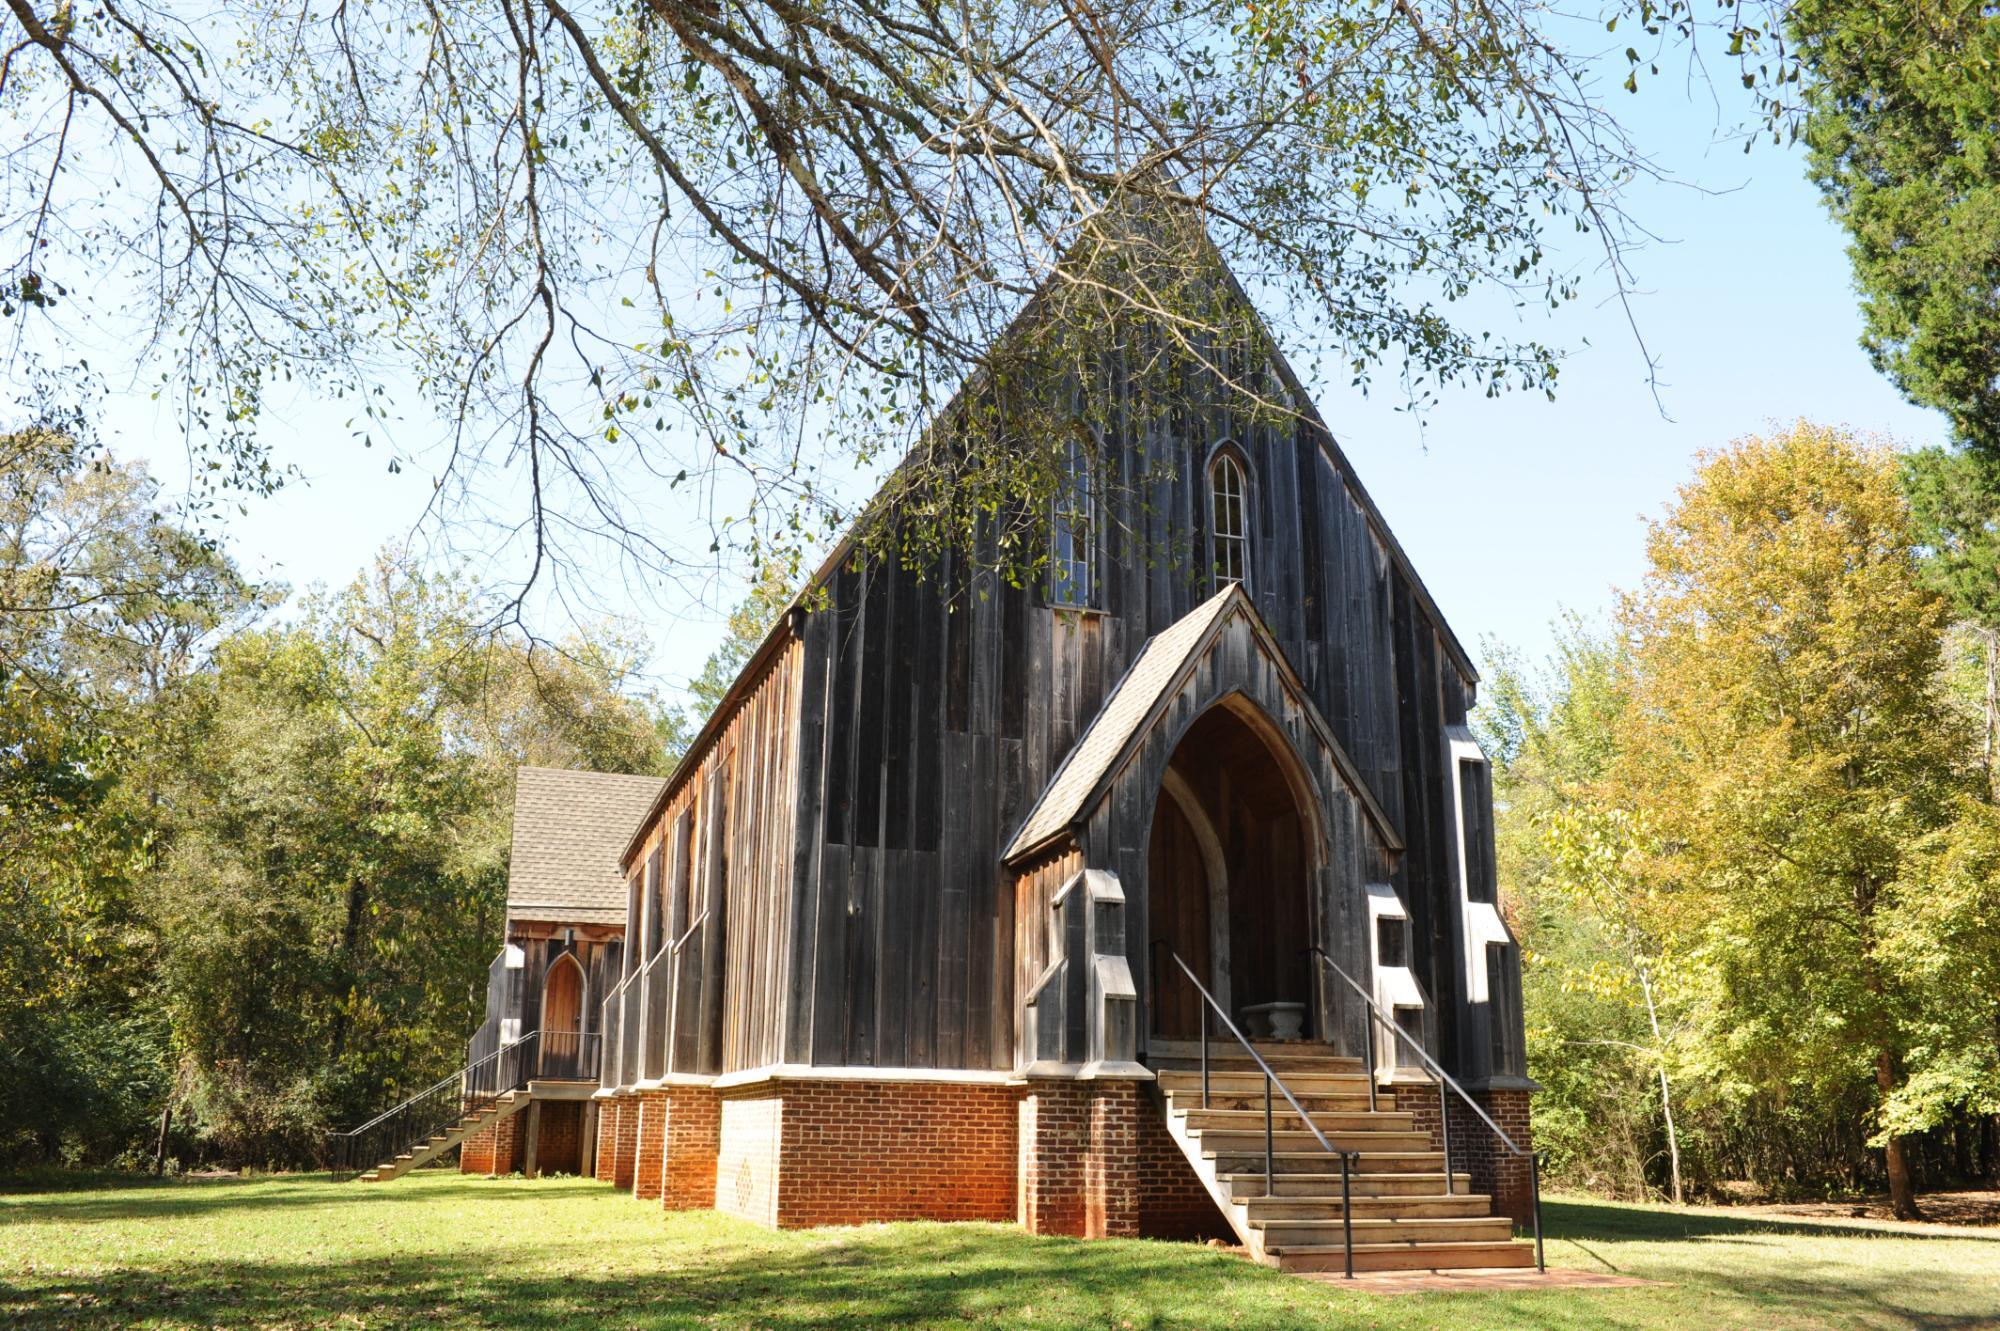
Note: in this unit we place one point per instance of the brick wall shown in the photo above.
(1421, 1104)
(607, 1140)
(560, 1147)
(1077, 1159)
(494, 1149)
(848, 1152)
(1084, 1158)
(694, 1131)
(648, 1158)
(855, 1152)
(1173, 1202)
(1495, 1170)
(622, 1144)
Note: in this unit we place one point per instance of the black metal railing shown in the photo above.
(1272, 1080)
(433, 1111)
(568, 1055)
(1444, 1081)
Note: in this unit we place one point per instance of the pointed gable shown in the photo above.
(1156, 675)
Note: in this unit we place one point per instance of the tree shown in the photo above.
(1902, 103)
(1954, 497)
(106, 602)
(693, 241)
(337, 879)
(748, 625)
(1793, 753)
(1604, 976)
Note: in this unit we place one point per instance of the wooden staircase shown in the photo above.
(1405, 1217)
(488, 1115)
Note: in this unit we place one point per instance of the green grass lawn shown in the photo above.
(440, 1251)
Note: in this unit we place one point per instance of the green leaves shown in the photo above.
(1747, 830)
(1904, 144)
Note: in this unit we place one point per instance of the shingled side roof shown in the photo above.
(568, 830)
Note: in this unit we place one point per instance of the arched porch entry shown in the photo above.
(562, 1018)
(1231, 860)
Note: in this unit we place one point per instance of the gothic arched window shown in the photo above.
(1072, 531)
(1228, 521)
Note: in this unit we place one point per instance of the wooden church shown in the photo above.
(1154, 897)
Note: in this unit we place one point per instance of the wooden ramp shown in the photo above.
(489, 1115)
(1406, 1215)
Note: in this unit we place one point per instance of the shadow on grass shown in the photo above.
(701, 1272)
(130, 1197)
(1590, 1221)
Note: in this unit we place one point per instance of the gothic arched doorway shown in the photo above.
(1229, 872)
(562, 1019)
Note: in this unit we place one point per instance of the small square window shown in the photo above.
(1392, 947)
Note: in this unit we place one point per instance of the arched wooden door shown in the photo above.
(1228, 881)
(562, 1019)
(1179, 921)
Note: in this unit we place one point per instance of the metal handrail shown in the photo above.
(1445, 1079)
(430, 1110)
(1271, 1079)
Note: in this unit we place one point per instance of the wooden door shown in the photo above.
(562, 1019)
(1177, 918)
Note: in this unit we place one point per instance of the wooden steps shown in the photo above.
(1405, 1213)
(506, 1106)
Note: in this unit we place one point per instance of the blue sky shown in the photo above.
(1513, 509)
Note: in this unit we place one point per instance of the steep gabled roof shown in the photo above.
(785, 627)
(1163, 664)
(568, 830)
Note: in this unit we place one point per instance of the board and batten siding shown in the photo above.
(733, 803)
(935, 705)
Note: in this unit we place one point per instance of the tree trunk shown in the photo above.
(160, 1151)
(1902, 1195)
(350, 946)
(1666, 1096)
(1992, 637)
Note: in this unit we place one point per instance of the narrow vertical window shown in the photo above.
(1229, 530)
(1072, 531)
(1475, 785)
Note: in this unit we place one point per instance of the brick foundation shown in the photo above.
(618, 1139)
(694, 1140)
(746, 1173)
(559, 1148)
(1173, 1201)
(607, 1140)
(495, 1149)
(649, 1154)
(1087, 1158)
(1495, 1170)
(1078, 1158)
(803, 1153)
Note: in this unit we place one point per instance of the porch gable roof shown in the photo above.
(1133, 707)
(568, 829)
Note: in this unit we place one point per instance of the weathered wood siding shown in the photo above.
(1035, 888)
(599, 948)
(720, 850)
(936, 705)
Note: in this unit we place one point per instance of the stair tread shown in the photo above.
(1397, 1248)
(1391, 1224)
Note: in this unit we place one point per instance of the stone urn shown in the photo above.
(1281, 1021)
